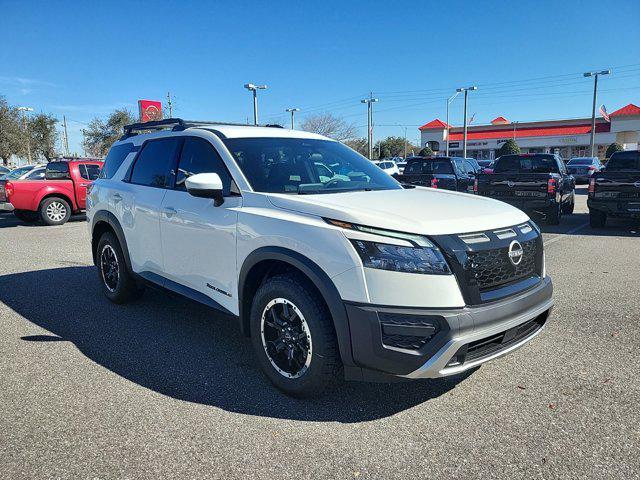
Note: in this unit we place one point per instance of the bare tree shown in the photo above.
(101, 134)
(330, 126)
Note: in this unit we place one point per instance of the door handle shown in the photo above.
(84, 184)
(169, 211)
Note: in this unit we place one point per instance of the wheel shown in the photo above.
(55, 211)
(26, 215)
(553, 214)
(597, 219)
(118, 284)
(568, 208)
(293, 336)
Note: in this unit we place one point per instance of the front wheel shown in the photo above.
(597, 219)
(55, 211)
(293, 336)
(553, 214)
(569, 207)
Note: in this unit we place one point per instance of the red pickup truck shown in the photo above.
(54, 199)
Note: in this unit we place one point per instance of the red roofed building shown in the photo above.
(569, 138)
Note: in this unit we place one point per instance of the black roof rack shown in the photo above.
(177, 125)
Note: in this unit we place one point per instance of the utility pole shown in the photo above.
(593, 109)
(24, 111)
(292, 111)
(254, 89)
(515, 125)
(169, 104)
(405, 143)
(449, 100)
(66, 136)
(464, 134)
(369, 101)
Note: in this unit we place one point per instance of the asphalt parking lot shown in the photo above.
(163, 388)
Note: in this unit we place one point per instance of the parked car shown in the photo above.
(583, 167)
(532, 182)
(54, 199)
(401, 166)
(615, 191)
(474, 163)
(486, 166)
(353, 275)
(448, 173)
(27, 172)
(387, 166)
(4, 170)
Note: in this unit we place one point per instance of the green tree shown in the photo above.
(101, 134)
(510, 147)
(613, 148)
(11, 132)
(392, 147)
(43, 135)
(358, 144)
(426, 152)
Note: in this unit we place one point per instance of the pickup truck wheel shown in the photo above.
(55, 211)
(26, 215)
(293, 336)
(553, 214)
(597, 219)
(118, 284)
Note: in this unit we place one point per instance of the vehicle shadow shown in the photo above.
(186, 351)
(8, 219)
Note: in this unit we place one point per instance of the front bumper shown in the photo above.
(6, 207)
(493, 327)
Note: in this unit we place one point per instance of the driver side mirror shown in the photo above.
(205, 185)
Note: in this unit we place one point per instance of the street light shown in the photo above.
(449, 100)
(464, 135)
(593, 110)
(292, 111)
(254, 88)
(370, 101)
(24, 111)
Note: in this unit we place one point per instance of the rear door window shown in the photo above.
(89, 171)
(624, 161)
(154, 165)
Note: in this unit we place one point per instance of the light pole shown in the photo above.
(292, 111)
(254, 89)
(593, 110)
(370, 101)
(464, 134)
(24, 111)
(449, 100)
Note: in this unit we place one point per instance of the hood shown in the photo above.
(419, 210)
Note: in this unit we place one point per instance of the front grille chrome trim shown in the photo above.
(505, 233)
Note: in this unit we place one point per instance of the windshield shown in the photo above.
(580, 161)
(526, 163)
(429, 166)
(623, 161)
(17, 173)
(305, 166)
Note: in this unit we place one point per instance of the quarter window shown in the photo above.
(199, 156)
(154, 164)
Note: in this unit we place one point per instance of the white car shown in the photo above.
(388, 166)
(327, 263)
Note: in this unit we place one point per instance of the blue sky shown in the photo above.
(83, 59)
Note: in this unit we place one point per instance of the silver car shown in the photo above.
(583, 167)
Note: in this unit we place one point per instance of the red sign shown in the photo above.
(149, 110)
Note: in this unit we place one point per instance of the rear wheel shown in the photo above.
(26, 215)
(568, 207)
(597, 219)
(118, 284)
(553, 214)
(54, 211)
(293, 336)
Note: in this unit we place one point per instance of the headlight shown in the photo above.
(427, 260)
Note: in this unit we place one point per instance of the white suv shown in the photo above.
(327, 263)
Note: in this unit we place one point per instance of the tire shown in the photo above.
(553, 215)
(26, 215)
(54, 211)
(117, 283)
(567, 208)
(597, 219)
(309, 374)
